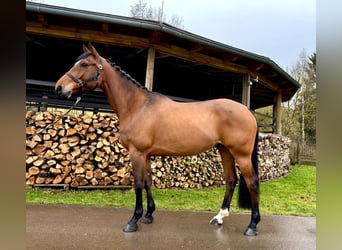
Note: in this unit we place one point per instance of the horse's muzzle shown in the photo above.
(59, 91)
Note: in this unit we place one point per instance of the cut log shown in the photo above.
(37, 138)
(31, 159)
(94, 182)
(73, 141)
(33, 171)
(31, 144)
(31, 180)
(39, 149)
(40, 180)
(58, 179)
(107, 180)
(91, 136)
(71, 131)
(38, 162)
(80, 170)
(55, 171)
(52, 132)
(49, 154)
(74, 183)
(67, 179)
(121, 172)
(89, 175)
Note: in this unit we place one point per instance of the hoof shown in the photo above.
(216, 222)
(130, 228)
(251, 232)
(147, 220)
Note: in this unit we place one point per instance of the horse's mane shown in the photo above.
(115, 66)
(125, 74)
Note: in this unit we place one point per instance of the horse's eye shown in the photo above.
(84, 65)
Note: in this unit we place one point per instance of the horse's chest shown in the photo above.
(135, 138)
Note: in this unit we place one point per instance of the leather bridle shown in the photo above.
(94, 78)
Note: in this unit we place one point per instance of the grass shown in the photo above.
(294, 194)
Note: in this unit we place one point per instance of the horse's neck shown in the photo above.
(123, 95)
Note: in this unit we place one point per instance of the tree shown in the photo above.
(299, 119)
(141, 10)
(298, 114)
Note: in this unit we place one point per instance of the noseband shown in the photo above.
(94, 78)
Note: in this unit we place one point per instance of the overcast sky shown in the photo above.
(278, 29)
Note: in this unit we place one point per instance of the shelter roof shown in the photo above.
(188, 66)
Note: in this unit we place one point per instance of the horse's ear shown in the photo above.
(85, 48)
(92, 50)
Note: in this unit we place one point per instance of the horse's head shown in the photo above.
(84, 75)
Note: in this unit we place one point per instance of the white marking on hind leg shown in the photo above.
(219, 217)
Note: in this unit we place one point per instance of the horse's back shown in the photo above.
(175, 128)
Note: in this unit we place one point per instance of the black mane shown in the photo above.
(114, 65)
(125, 74)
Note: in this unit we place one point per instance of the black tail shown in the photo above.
(244, 198)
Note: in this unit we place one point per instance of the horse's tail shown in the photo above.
(244, 198)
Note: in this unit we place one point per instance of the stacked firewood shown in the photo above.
(202, 170)
(76, 150)
(84, 150)
(274, 156)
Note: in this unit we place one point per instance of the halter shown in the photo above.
(94, 78)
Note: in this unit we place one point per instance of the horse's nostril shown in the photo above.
(59, 91)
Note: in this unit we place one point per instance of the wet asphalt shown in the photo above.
(91, 227)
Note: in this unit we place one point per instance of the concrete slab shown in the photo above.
(90, 227)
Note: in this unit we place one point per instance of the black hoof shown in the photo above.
(130, 228)
(251, 232)
(147, 219)
(214, 222)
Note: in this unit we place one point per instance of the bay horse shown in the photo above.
(154, 125)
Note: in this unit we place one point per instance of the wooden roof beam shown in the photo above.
(87, 35)
(255, 65)
(138, 42)
(227, 57)
(264, 81)
(200, 58)
(42, 20)
(196, 48)
(105, 28)
(155, 37)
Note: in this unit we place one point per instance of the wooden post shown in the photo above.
(277, 112)
(44, 103)
(150, 68)
(246, 90)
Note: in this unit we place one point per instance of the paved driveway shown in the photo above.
(90, 227)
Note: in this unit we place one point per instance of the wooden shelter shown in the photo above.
(166, 59)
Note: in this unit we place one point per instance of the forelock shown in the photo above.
(84, 55)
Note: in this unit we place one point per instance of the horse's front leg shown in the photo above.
(138, 163)
(148, 218)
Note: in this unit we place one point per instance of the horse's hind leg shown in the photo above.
(250, 197)
(148, 218)
(228, 163)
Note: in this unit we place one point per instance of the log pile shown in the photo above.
(202, 170)
(79, 151)
(273, 156)
(84, 150)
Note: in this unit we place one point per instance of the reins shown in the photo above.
(55, 121)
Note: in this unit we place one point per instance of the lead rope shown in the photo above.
(56, 120)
